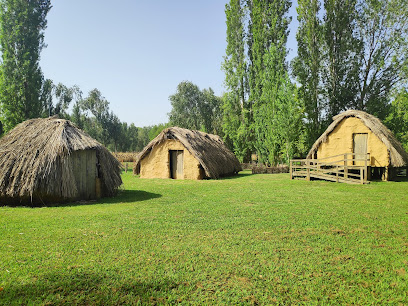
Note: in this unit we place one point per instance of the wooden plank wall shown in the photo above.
(84, 168)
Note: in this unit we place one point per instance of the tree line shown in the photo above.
(351, 54)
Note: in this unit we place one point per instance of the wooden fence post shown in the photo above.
(337, 173)
(290, 170)
(362, 175)
(385, 174)
(365, 169)
(345, 167)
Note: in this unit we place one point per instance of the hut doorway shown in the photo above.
(360, 147)
(176, 164)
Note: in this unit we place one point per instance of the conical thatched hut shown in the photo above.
(185, 154)
(358, 132)
(51, 160)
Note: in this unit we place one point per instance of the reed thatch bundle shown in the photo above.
(210, 151)
(398, 156)
(34, 160)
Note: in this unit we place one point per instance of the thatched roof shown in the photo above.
(210, 151)
(398, 156)
(32, 159)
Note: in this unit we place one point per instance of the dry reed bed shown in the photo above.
(126, 156)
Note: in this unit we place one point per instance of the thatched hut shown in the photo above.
(51, 160)
(358, 132)
(185, 154)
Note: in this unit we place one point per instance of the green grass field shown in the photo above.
(250, 239)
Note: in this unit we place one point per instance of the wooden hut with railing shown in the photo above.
(357, 141)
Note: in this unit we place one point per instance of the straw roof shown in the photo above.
(398, 156)
(33, 158)
(210, 151)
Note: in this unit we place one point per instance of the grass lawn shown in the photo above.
(250, 239)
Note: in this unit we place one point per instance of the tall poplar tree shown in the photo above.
(307, 66)
(268, 32)
(237, 109)
(341, 52)
(268, 25)
(22, 25)
(260, 96)
(278, 118)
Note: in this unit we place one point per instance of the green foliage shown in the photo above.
(195, 109)
(47, 94)
(383, 32)
(212, 114)
(270, 86)
(143, 137)
(237, 111)
(237, 127)
(186, 111)
(93, 115)
(257, 84)
(307, 67)
(157, 129)
(353, 58)
(342, 51)
(96, 115)
(397, 119)
(211, 242)
(22, 25)
(278, 118)
(268, 27)
(57, 98)
(128, 138)
(76, 116)
(98, 120)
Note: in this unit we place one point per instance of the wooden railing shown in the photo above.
(345, 168)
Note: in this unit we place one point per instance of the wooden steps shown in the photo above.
(327, 177)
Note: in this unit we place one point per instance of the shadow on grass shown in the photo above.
(123, 196)
(401, 179)
(75, 287)
(237, 176)
(127, 196)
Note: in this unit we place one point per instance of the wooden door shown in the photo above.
(360, 147)
(85, 174)
(176, 164)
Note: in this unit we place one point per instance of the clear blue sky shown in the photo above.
(137, 52)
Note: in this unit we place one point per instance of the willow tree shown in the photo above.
(22, 25)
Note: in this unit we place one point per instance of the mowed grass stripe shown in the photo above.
(251, 239)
